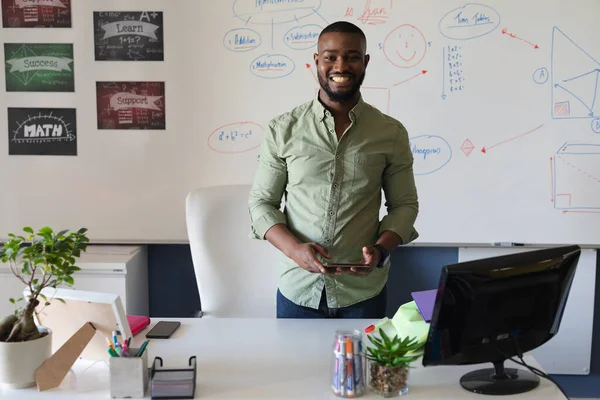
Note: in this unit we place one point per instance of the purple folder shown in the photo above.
(425, 301)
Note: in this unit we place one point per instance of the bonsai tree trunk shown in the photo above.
(20, 328)
(6, 326)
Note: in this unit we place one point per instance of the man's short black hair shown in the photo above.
(344, 27)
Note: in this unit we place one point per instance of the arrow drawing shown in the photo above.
(312, 72)
(512, 35)
(423, 72)
(485, 150)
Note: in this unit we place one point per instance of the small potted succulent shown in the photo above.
(38, 260)
(389, 362)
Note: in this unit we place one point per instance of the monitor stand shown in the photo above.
(499, 381)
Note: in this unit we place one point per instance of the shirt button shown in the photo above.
(331, 131)
(330, 212)
(327, 240)
(335, 185)
(337, 157)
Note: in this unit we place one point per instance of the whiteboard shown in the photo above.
(570, 351)
(519, 79)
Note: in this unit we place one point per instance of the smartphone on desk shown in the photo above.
(163, 330)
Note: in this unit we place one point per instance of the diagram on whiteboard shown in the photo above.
(430, 153)
(575, 82)
(575, 178)
(263, 15)
(264, 12)
(468, 22)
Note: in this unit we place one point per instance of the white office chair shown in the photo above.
(236, 275)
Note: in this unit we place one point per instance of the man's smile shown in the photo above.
(341, 79)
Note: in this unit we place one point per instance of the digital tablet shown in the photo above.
(345, 265)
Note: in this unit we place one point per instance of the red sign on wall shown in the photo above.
(130, 105)
(36, 13)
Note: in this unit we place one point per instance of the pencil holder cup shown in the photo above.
(129, 376)
(348, 364)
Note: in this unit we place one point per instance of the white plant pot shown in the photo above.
(18, 361)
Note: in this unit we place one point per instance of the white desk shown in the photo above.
(265, 359)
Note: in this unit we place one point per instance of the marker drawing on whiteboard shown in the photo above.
(270, 12)
(444, 73)
(507, 244)
(574, 91)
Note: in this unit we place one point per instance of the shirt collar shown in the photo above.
(321, 112)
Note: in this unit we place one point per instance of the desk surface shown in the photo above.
(263, 359)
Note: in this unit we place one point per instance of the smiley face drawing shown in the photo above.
(405, 46)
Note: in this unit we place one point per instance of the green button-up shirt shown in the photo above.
(333, 194)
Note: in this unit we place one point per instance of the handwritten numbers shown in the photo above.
(233, 135)
(455, 71)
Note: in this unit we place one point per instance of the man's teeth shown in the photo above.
(340, 79)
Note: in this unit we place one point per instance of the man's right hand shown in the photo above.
(304, 254)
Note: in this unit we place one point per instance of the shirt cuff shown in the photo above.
(406, 233)
(264, 223)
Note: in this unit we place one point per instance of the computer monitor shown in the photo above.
(492, 309)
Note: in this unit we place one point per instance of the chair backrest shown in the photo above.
(236, 275)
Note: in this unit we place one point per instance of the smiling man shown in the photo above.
(331, 158)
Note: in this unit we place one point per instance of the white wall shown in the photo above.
(130, 185)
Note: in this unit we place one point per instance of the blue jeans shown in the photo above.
(373, 308)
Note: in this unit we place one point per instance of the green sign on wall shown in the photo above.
(39, 67)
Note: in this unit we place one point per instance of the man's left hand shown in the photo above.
(370, 256)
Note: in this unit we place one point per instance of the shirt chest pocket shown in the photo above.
(367, 173)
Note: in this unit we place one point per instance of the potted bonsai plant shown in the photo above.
(388, 363)
(38, 260)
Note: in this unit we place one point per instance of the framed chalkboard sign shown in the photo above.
(128, 36)
(42, 131)
(39, 67)
(130, 105)
(36, 13)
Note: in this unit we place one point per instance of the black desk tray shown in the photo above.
(173, 383)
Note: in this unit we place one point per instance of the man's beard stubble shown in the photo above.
(341, 97)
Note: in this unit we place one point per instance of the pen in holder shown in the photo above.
(347, 364)
(173, 383)
(129, 375)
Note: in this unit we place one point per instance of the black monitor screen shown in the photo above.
(486, 310)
